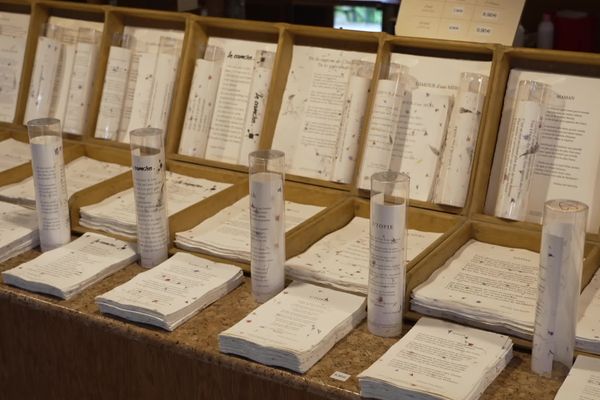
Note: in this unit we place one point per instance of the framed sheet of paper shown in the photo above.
(140, 81)
(238, 72)
(485, 21)
(312, 111)
(13, 35)
(567, 163)
(419, 122)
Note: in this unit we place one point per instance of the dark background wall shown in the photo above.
(320, 12)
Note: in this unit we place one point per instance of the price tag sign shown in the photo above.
(486, 21)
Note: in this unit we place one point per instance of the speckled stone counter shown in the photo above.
(57, 349)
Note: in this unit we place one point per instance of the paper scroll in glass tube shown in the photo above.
(521, 148)
(115, 87)
(81, 80)
(383, 125)
(355, 105)
(165, 73)
(387, 252)
(45, 68)
(559, 285)
(148, 169)
(461, 140)
(267, 225)
(52, 203)
(13, 41)
(60, 92)
(257, 103)
(201, 101)
(156, 73)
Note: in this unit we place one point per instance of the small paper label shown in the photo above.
(483, 30)
(489, 14)
(458, 10)
(340, 376)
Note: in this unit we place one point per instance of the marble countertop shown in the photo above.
(197, 338)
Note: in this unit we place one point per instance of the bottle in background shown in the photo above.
(545, 37)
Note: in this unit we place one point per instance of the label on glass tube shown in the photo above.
(50, 191)
(151, 208)
(387, 269)
(267, 234)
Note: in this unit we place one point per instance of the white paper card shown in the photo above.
(68, 270)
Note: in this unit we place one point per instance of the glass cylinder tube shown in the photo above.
(561, 265)
(165, 73)
(387, 245)
(267, 178)
(355, 106)
(201, 102)
(461, 139)
(385, 117)
(52, 203)
(81, 80)
(521, 148)
(115, 88)
(148, 169)
(43, 76)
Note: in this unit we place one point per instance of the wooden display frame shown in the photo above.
(201, 29)
(341, 214)
(19, 172)
(342, 201)
(494, 234)
(20, 7)
(125, 181)
(72, 152)
(40, 12)
(295, 238)
(318, 37)
(442, 49)
(116, 20)
(566, 62)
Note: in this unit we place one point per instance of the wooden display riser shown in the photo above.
(56, 349)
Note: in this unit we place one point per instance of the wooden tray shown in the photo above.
(123, 182)
(494, 234)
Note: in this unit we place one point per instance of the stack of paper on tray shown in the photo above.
(116, 214)
(582, 381)
(170, 293)
(18, 230)
(495, 288)
(341, 259)
(80, 173)
(484, 285)
(588, 321)
(437, 360)
(13, 153)
(68, 270)
(227, 233)
(296, 328)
